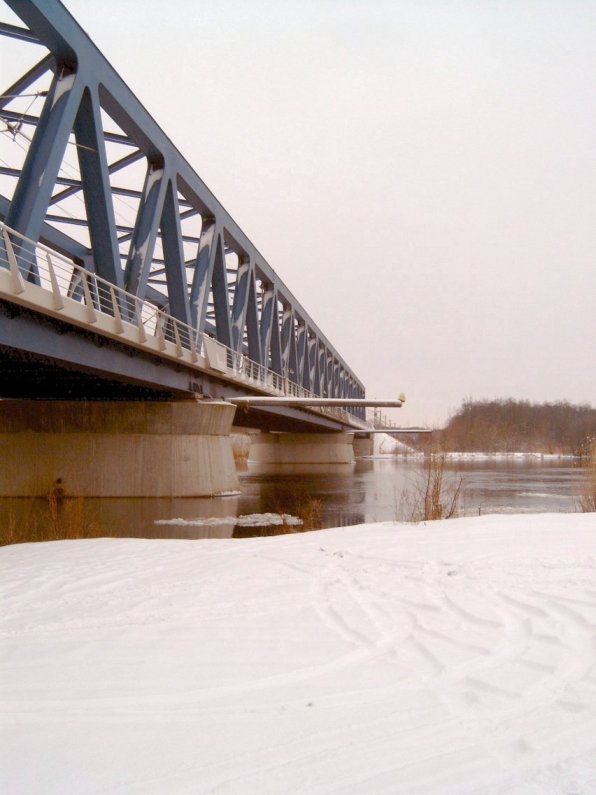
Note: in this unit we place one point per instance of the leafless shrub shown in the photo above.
(309, 510)
(435, 494)
(587, 498)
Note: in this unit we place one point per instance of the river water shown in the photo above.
(371, 490)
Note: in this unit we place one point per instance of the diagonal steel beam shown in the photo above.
(175, 267)
(287, 335)
(144, 234)
(276, 355)
(267, 309)
(19, 86)
(128, 160)
(199, 291)
(44, 29)
(252, 320)
(221, 298)
(15, 32)
(27, 118)
(240, 304)
(301, 355)
(95, 182)
(33, 190)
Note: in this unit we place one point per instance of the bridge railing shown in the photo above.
(380, 421)
(42, 279)
(33, 263)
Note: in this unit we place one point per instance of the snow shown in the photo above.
(522, 456)
(447, 658)
(244, 520)
(385, 445)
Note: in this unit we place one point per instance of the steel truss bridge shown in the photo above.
(121, 274)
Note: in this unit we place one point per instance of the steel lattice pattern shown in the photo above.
(87, 172)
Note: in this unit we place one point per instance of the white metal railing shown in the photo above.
(33, 264)
(40, 278)
(377, 419)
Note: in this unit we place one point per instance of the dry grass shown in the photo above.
(309, 509)
(53, 518)
(303, 506)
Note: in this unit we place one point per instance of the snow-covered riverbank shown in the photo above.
(456, 657)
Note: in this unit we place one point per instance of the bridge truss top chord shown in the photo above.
(86, 171)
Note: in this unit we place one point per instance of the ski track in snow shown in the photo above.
(456, 657)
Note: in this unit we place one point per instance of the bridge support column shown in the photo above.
(116, 449)
(364, 446)
(302, 448)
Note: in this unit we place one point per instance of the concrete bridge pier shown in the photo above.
(116, 449)
(364, 446)
(302, 448)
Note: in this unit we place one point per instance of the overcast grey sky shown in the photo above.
(421, 173)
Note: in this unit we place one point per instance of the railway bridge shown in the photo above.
(137, 320)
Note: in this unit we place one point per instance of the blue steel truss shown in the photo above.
(95, 178)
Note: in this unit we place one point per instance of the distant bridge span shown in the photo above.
(121, 274)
